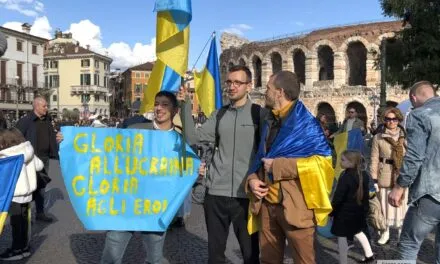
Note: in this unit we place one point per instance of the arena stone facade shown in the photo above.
(336, 66)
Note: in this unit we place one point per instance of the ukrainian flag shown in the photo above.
(352, 140)
(172, 42)
(207, 83)
(10, 169)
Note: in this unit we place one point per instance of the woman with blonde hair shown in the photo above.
(387, 151)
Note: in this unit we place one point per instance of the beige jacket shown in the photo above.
(296, 212)
(380, 148)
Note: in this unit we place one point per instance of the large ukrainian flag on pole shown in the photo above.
(10, 169)
(172, 42)
(207, 82)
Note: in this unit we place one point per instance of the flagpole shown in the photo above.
(201, 53)
(183, 81)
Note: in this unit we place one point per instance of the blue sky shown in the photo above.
(125, 29)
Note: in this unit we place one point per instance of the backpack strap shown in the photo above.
(257, 120)
(221, 112)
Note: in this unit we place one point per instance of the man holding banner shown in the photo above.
(233, 135)
(165, 108)
(292, 175)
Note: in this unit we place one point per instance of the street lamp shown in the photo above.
(16, 97)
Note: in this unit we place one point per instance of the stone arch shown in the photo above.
(324, 42)
(242, 61)
(326, 62)
(360, 109)
(276, 62)
(387, 35)
(391, 103)
(328, 110)
(299, 64)
(258, 70)
(356, 63)
(346, 43)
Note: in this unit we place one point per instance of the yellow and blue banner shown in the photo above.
(302, 137)
(122, 179)
(10, 168)
(172, 43)
(207, 83)
(352, 140)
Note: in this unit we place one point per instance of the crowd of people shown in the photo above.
(261, 169)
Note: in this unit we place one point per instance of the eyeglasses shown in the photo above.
(387, 119)
(351, 112)
(235, 83)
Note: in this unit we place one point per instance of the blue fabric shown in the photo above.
(300, 136)
(10, 169)
(171, 79)
(214, 70)
(355, 140)
(180, 10)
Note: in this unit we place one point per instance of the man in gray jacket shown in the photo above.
(420, 172)
(226, 201)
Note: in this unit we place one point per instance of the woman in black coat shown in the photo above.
(350, 206)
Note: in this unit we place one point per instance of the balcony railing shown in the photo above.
(25, 84)
(78, 89)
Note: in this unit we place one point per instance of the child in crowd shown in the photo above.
(350, 206)
(13, 143)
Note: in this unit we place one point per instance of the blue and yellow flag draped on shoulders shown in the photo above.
(10, 169)
(352, 140)
(172, 42)
(301, 137)
(207, 82)
(123, 179)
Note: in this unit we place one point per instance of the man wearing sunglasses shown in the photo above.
(352, 121)
(234, 135)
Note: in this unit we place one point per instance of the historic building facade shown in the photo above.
(336, 66)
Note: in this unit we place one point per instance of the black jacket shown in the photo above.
(27, 126)
(349, 218)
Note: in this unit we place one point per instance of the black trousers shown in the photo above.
(38, 195)
(20, 225)
(220, 212)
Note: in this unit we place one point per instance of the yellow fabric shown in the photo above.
(283, 111)
(3, 217)
(340, 142)
(273, 195)
(205, 91)
(171, 50)
(253, 224)
(316, 175)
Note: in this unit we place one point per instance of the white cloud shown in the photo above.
(124, 56)
(30, 8)
(87, 33)
(237, 29)
(41, 27)
(299, 23)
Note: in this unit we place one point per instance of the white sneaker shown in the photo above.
(384, 238)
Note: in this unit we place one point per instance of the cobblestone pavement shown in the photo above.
(65, 241)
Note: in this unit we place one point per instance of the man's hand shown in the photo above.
(396, 195)
(59, 137)
(268, 163)
(181, 94)
(258, 188)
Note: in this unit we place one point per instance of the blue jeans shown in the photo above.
(422, 217)
(116, 242)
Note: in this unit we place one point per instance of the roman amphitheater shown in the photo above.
(335, 66)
